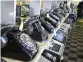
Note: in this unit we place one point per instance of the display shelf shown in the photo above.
(42, 45)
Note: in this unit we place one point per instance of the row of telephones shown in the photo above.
(54, 51)
(29, 46)
(37, 28)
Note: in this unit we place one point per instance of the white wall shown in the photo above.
(7, 12)
(47, 5)
(55, 4)
(34, 7)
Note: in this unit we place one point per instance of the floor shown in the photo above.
(74, 46)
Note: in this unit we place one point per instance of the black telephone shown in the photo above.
(57, 14)
(60, 11)
(35, 30)
(23, 40)
(48, 19)
(29, 27)
(54, 23)
(46, 25)
(54, 16)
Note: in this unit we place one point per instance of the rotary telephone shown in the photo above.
(11, 34)
(35, 30)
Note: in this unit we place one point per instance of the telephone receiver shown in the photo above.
(4, 35)
(54, 17)
(35, 30)
(55, 13)
(32, 24)
(47, 25)
(29, 26)
(54, 23)
(38, 26)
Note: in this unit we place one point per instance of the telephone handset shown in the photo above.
(4, 38)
